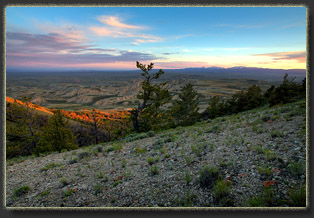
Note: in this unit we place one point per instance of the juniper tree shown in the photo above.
(185, 108)
(150, 113)
(57, 135)
(287, 91)
(215, 108)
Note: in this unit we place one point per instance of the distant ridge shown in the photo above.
(237, 72)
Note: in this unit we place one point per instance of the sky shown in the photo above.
(114, 38)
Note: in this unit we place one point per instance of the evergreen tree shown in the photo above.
(185, 108)
(57, 135)
(215, 108)
(287, 91)
(248, 99)
(150, 113)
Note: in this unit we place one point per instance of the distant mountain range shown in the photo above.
(237, 72)
(244, 72)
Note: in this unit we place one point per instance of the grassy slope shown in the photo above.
(246, 144)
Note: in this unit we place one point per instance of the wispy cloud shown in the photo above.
(114, 22)
(299, 56)
(114, 28)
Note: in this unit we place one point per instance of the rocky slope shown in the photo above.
(260, 157)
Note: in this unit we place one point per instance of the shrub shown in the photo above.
(83, 155)
(98, 188)
(99, 148)
(154, 170)
(208, 176)
(150, 160)
(64, 181)
(221, 189)
(110, 149)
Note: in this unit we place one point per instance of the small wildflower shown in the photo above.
(269, 183)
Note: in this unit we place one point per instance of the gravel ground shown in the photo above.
(250, 150)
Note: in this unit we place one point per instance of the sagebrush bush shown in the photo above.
(208, 176)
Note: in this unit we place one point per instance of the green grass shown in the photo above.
(117, 147)
(150, 160)
(139, 150)
(276, 133)
(296, 168)
(187, 160)
(198, 149)
(297, 197)
(266, 198)
(154, 170)
(99, 175)
(188, 178)
(64, 181)
(123, 163)
(45, 193)
(49, 166)
(21, 191)
(264, 170)
(221, 189)
(68, 192)
(116, 183)
(98, 188)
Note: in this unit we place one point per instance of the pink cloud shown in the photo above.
(102, 31)
(114, 21)
(71, 32)
(137, 38)
(114, 28)
(299, 56)
(47, 50)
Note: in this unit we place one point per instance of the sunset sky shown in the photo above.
(106, 38)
